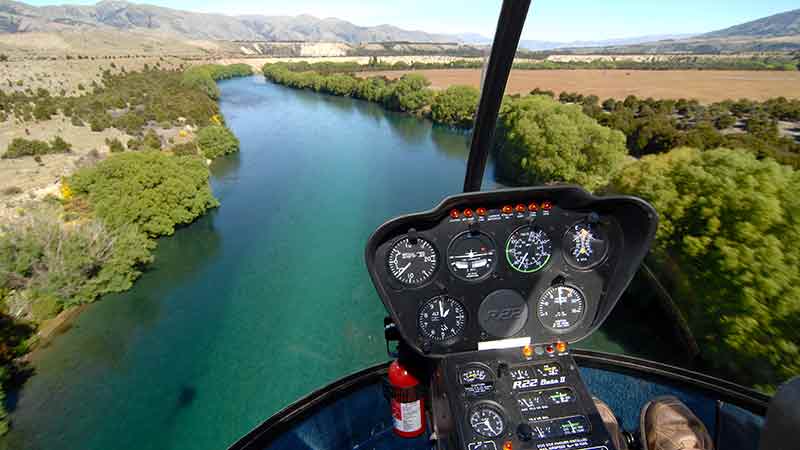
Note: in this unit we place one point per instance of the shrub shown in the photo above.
(541, 141)
(62, 266)
(152, 190)
(23, 147)
(216, 140)
(456, 106)
(185, 149)
(115, 145)
(59, 145)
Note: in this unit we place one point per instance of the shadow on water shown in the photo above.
(225, 167)
(186, 396)
(451, 142)
(410, 129)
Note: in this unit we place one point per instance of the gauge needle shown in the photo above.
(489, 426)
(404, 269)
(441, 309)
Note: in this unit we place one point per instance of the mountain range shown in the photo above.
(121, 15)
(780, 32)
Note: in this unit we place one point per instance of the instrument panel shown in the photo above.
(484, 400)
(508, 268)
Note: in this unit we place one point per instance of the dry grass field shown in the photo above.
(705, 86)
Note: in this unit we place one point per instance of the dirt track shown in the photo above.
(705, 86)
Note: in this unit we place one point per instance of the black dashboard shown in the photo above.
(490, 288)
(508, 268)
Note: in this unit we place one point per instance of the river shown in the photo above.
(260, 301)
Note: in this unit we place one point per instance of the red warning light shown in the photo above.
(549, 348)
(533, 207)
(507, 209)
(546, 206)
(454, 213)
(481, 211)
(467, 212)
(521, 208)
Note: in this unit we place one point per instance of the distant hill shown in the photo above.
(778, 25)
(777, 33)
(18, 17)
(548, 45)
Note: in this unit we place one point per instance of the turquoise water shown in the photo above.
(260, 301)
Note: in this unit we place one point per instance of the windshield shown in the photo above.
(186, 191)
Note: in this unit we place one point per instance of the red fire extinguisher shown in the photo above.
(407, 402)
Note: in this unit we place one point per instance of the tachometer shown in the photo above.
(471, 256)
(487, 421)
(412, 262)
(561, 308)
(441, 318)
(528, 249)
(585, 245)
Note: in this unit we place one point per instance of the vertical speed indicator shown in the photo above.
(412, 261)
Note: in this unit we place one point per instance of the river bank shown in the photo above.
(102, 243)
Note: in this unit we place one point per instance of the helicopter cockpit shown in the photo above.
(494, 287)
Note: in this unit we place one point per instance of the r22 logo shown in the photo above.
(505, 313)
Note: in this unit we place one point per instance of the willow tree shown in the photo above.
(151, 190)
(541, 141)
(729, 244)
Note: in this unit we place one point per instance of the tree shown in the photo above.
(152, 190)
(456, 106)
(729, 229)
(542, 141)
(653, 134)
(216, 140)
(404, 94)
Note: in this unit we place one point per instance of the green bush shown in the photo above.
(62, 266)
(216, 140)
(20, 147)
(455, 106)
(185, 149)
(115, 145)
(152, 190)
(542, 141)
(59, 145)
(730, 223)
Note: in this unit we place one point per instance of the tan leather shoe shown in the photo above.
(611, 423)
(667, 424)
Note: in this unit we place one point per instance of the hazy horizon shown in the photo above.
(581, 20)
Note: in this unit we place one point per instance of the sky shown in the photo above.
(550, 20)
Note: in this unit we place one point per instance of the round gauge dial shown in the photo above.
(561, 308)
(441, 318)
(585, 245)
(412, 262)
(487, 421)
(475, 374)
(471, 256)
(528, 249)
